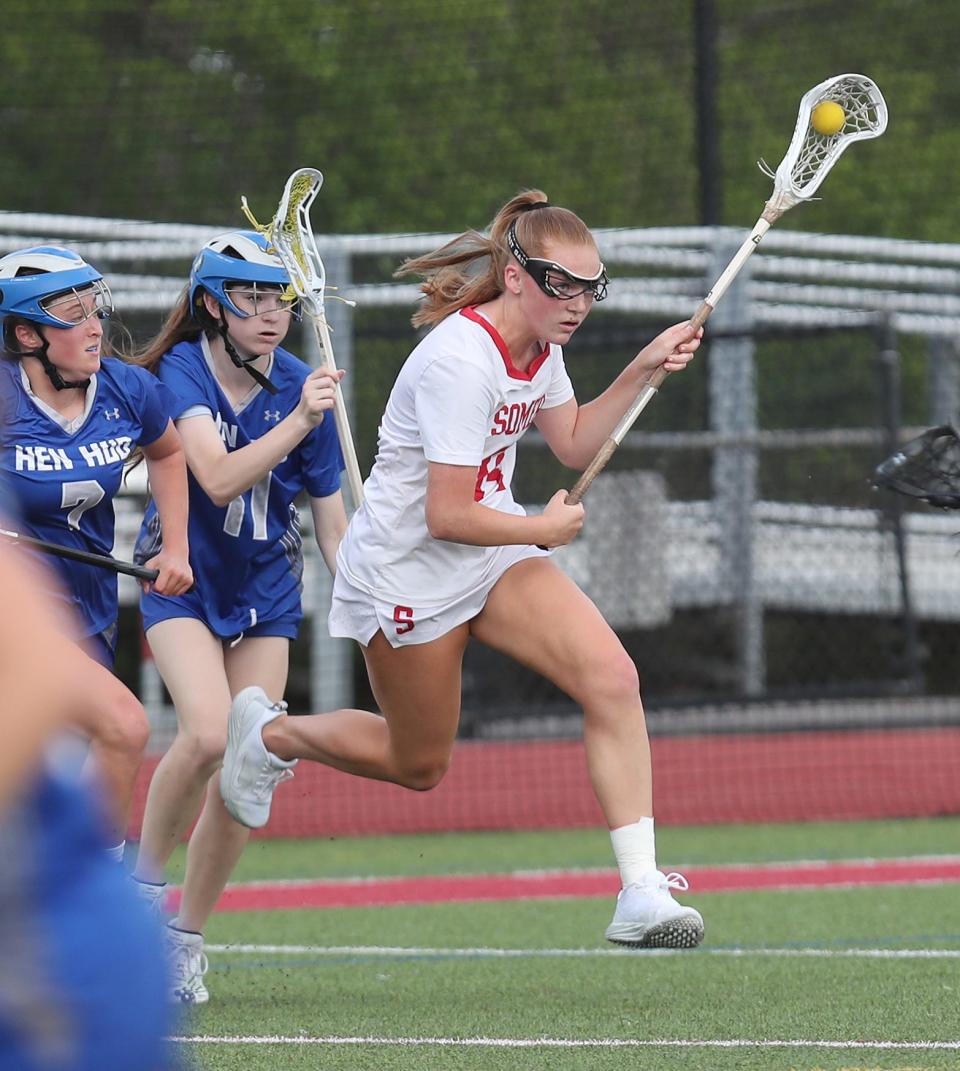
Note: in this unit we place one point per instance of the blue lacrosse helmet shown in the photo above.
(235, 257)
(31, 278)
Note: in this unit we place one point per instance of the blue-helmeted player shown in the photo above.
(257, 431)
(72, 419)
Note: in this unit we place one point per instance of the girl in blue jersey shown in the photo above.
(251, 417)
(72, 419)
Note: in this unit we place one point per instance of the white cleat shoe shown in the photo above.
(188, 965)
(250, 773)
(647, 916)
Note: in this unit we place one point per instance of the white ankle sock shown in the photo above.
(186, 937)
(635, 851)
(149, 890)
(115, 854)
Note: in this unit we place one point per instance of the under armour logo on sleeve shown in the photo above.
(112, 414)
(271, 414)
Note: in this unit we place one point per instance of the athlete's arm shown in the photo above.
(575, 433)
(167, 472)
(224, 474)
(455, 517)
(329, 524)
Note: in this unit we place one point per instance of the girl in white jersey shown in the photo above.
(439, 551)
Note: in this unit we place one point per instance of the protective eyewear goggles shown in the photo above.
(554, 279)
(75, 306)
(254, 299)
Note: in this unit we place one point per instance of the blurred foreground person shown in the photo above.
(82, 973)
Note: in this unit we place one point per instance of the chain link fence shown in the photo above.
(735, 542)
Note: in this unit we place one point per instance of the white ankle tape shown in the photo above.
(635, 850)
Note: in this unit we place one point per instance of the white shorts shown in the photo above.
(355, 614)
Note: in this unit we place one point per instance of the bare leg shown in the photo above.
(417, 688)
(218, 841)
(190, 661)
(111, 716)
(539, 617)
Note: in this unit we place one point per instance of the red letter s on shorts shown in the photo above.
(403, 615)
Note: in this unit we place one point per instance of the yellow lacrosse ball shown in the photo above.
(828, 117)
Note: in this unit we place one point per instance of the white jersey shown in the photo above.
(458, 400)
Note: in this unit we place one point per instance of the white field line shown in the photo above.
(374, 951)
(565, 1043)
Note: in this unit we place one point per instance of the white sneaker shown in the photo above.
(153, 895)
(647, 916)
(250, 773)
(188, 965)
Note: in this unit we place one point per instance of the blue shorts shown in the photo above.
(156, 608)
(102, 647)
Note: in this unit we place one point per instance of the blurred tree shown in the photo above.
(427, 114)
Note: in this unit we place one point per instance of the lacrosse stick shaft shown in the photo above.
(804, 167)
(352, 466)
(101, 561)
(653, 384)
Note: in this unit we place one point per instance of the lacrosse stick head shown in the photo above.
(812, 154)
(291, 235)
(927, 467)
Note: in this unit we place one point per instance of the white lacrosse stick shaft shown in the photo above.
(295, 244)
(805, 165)
(340, 415)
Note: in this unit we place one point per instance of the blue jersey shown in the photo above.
(63, 475)
(247, 556)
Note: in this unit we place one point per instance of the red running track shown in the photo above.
(379, 892)
(773, 777)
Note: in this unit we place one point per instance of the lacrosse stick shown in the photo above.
(927, 467)
(101, 561)
(291, 236)
(806, 164)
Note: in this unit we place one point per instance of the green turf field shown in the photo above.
(840, 966)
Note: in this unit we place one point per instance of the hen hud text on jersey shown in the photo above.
(55, 459)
